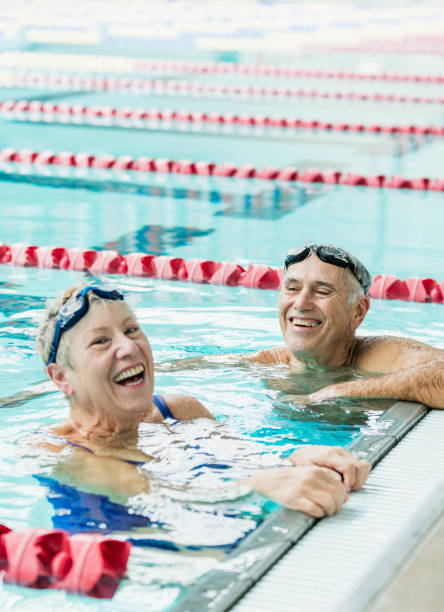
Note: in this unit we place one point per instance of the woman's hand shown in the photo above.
(317, 491)
(354, 471)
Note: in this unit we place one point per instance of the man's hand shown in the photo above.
(314, 490)
(326, 393)
(354, 471)
(317, 397)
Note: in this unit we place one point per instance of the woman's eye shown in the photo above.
(101, 340)
(132, 330)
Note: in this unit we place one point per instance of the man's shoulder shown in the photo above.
(386, 354)
(372, 352)
(277, 354)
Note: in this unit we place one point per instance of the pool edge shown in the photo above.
(222, 587)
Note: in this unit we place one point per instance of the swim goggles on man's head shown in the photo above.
(74, 309)
(333, 255)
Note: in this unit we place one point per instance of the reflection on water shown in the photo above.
(189, 520)
(289, 390)
(194, 498)
(194, 508)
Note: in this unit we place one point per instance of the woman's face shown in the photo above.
(112, 363)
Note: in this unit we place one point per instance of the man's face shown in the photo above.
(316, 319)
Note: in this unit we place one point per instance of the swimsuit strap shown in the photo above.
(162, 407)
(55, 436)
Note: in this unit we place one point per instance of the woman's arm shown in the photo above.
(103, 475)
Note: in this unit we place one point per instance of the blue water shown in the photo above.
(392, 231)
(254, 424)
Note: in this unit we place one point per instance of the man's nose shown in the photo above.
(303, 300)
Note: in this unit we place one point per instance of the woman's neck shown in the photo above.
(88, 424)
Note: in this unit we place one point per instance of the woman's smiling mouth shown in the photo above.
(131, 376)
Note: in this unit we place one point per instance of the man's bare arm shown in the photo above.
(412, 371)
(278, 354)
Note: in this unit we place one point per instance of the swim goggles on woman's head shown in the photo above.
(332, 255)
(74, 309)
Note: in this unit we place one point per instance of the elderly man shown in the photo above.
(321, 305)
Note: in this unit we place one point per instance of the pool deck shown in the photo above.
(383, 552)
(417, 585)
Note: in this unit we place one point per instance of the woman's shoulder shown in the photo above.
(184, 407)
(53, 439)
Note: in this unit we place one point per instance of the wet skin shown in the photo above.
(112, 375)
(316, 319)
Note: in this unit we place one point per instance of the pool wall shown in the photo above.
(221, 588)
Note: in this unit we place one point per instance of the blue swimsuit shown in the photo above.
(161, 405)
(77, 511)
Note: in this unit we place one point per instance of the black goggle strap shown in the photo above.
(68, 319)
(332, 255)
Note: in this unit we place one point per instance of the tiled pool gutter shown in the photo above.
(342, 561)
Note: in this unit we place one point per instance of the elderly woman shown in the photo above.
(97, 354)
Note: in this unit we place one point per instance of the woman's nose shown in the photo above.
(125, 346)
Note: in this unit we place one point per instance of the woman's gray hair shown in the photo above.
(46, 329)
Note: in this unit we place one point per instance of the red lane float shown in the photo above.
(84, 564)
(260, 276)
(169, 66)
(27, 556)
(390, 287)
(225, 169)
(172, 87)
(179, 66)
(96, 566)
(36, 107)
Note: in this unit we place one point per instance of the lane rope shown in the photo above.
(173, 87)
(225, 169)
(256, 276)
(36, 107)
(64, 61)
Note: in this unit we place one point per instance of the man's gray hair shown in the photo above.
(355, 290)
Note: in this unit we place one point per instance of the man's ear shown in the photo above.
(57, 374)
(360, 309)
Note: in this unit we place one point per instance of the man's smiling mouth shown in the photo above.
(304, 322)
(130, 376)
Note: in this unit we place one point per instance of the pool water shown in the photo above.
(256, 424)
(192, 328)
